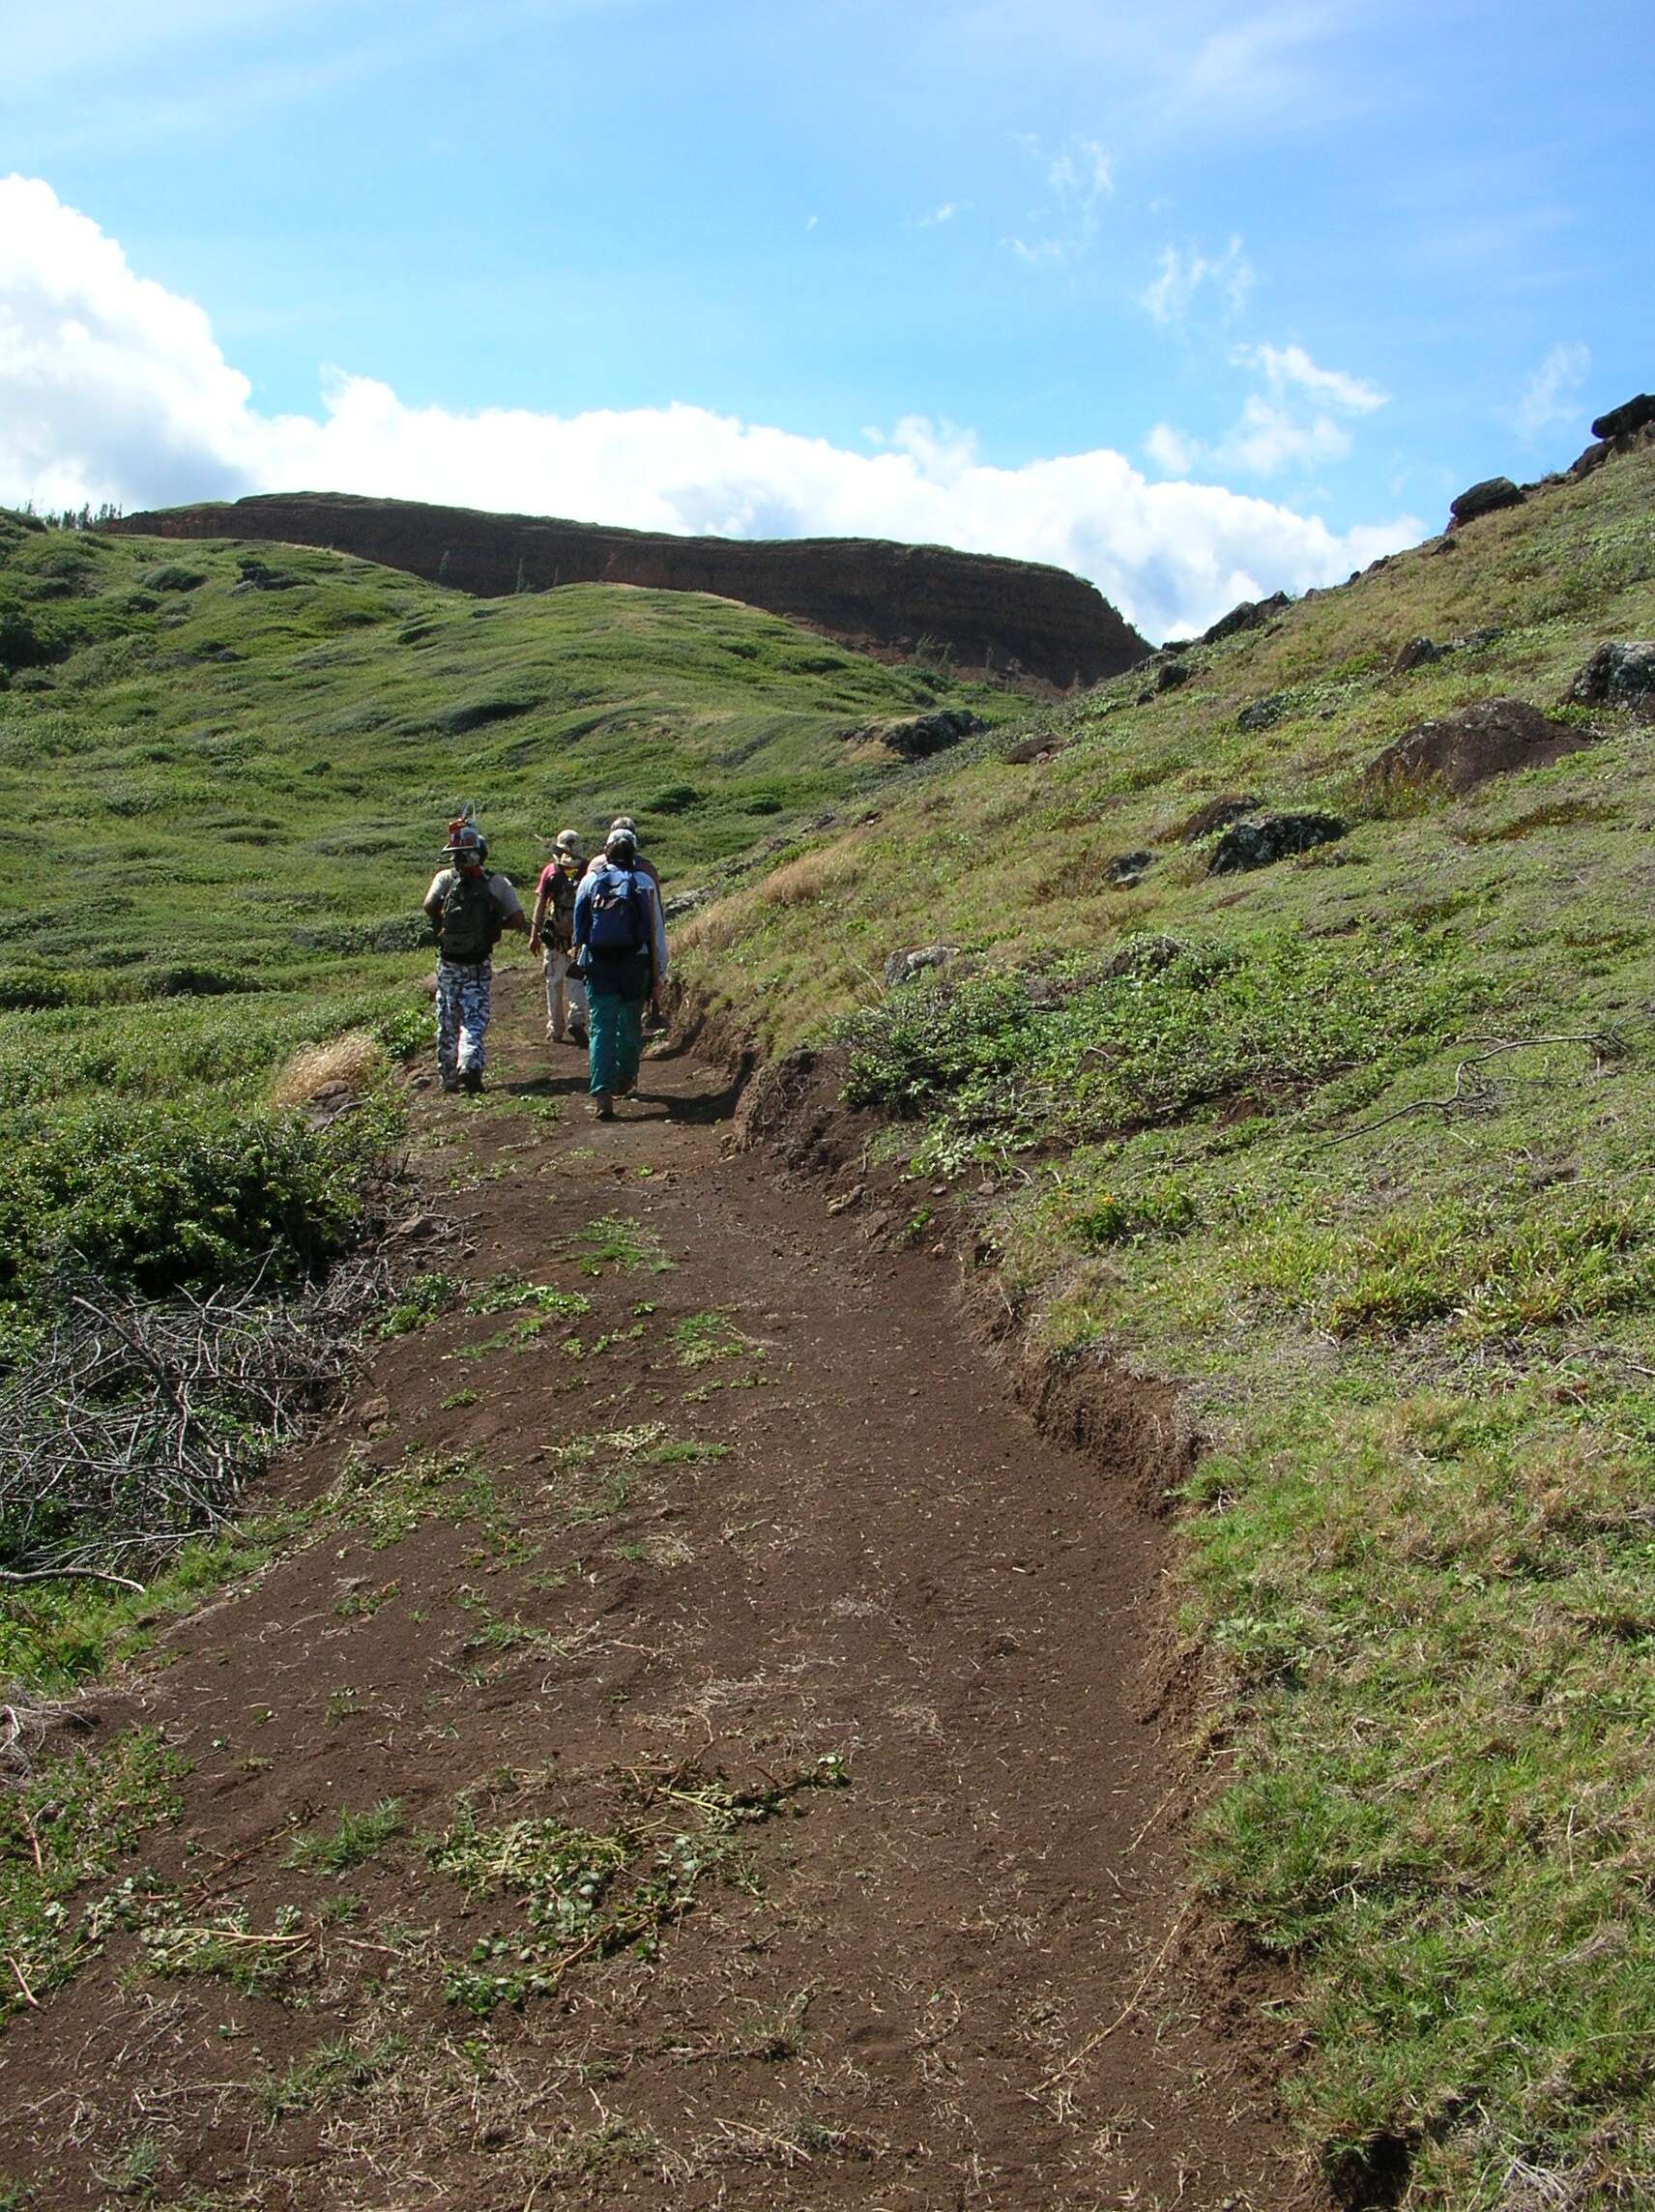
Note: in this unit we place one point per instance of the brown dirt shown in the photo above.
(970, 1977)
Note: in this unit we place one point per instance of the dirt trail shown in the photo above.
(833, 1667)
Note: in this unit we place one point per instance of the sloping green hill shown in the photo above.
(239, 762)
(1357, 1146)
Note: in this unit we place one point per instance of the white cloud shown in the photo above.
(1552, 396)
(1079, 172)
(1269, 438)
(1289, 365)
(938, 216)
(1078, 178)
(1291, 424)
(113, 389)
(1185, 279)
(1171, 452)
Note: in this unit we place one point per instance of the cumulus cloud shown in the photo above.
(113, 389)
(1552, 396)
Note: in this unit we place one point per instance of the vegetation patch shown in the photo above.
(70, 1822)
(582, 1895)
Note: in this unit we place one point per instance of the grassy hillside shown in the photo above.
(224, 771)
(1358, 1148)
(236, 764)
(224, 779)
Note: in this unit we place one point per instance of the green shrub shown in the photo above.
(158, 1198)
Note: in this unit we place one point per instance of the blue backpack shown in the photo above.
(615, 920)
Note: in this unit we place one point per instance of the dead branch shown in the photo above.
(137, 1424)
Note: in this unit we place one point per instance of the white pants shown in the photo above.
(563, 980)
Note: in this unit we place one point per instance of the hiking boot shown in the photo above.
(471, 1080)
(626, 1089)
(450, 1084)
(577, 1034)
(603, 1107)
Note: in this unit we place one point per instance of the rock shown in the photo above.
(1247, 845)
(373, 1417)
(1170, 674)
(1264, 714)
(1619, 674)
(902, 967)
(1419, 652)
(1128, 868)
(1015, 617)
(919, 735)
(1631, 415)
(1140, 956)
(256, 577)
(1485, 498)
(1044, 745)
(1250, 614)
(173, 577)
(1456, 752)
(1218, 814)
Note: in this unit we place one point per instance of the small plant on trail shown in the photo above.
(332, 2072)
(421, 1301)
(585, 1894)
(69, 1823)
(505, 1293)
(358, 1836)
(615, 1240)
(701, 1337)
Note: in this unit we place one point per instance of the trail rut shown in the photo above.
(762, 1568)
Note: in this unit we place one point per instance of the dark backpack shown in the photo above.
(616, 922)
(472, 920)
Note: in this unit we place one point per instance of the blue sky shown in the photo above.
(1189, 297)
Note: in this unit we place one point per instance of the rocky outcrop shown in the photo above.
(1421, 651)
(1485, 498)
(918, 736)
(1250, 614)
(1248, 845)
(1013, 618)
(1455, 752)
(1630, 417)
(1621, 673)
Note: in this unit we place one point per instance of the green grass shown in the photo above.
(255, 783)
(584, 1895)
(1356, 1149)
(70, 1823)
(358, 1836)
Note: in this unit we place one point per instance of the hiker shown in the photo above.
(469, 908)
(622, 948)
(553, 929)
(624, 825)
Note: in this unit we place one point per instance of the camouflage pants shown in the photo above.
(465, 996)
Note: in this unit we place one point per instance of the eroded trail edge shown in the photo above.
(698, 1746)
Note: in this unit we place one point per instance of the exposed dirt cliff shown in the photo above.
(1016, 618)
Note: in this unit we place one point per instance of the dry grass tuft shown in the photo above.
(798, 881)
(352, 1062)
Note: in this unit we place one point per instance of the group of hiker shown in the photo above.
(599, 926)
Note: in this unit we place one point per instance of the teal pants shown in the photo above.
(617, 1031)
